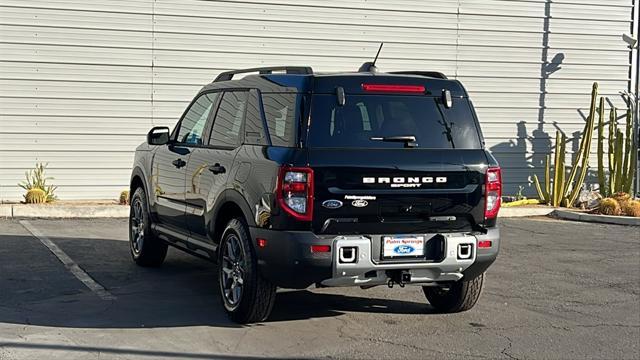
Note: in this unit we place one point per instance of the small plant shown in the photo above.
(36, 179)
(519, 195)
(610, 206)
(35, 196)
(124, 197)
(631, 208)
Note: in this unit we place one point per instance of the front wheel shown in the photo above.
(246, 296)
(146, 248)
(456, 297)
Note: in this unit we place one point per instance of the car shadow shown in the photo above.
(37, 289)
(304, 304)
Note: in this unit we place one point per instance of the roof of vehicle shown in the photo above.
(304, 80)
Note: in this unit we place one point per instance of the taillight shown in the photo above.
(493, 192)
(393, 88)
(295, 192)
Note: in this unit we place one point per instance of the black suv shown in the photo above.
(287, 178)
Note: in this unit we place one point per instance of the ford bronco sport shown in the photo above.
(287, 178)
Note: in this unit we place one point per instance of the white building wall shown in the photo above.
(82, 82)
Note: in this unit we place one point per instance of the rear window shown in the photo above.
(373, 116)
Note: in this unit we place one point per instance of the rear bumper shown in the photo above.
(287, 260)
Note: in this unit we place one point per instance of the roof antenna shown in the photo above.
(371, 66)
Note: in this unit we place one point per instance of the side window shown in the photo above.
(280, 111)
(253, 128)
(228, 121)
(191, 130)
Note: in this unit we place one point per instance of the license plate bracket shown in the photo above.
(403, 246)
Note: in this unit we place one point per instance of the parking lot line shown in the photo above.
(73, 268)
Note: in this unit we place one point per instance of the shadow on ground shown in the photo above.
(38, 290)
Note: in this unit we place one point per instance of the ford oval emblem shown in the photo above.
(360, 203)
(404, 249)
(332, 204)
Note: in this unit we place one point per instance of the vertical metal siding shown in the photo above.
(82, 82)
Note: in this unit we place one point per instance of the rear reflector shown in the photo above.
(320, 248)
(261, 242)
(393, 88)
(484, 244)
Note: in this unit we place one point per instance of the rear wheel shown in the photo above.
(246, 296)
(456, 297)
(146, 248)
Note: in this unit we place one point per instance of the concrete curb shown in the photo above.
(64, 211)
(510, 212)
(604, 219)
(6, 210)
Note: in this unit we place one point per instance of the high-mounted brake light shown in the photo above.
(393, 88)
(493, 192)
(295, 192)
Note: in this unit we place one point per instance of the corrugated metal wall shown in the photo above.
(82, 82)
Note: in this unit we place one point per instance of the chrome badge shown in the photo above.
(332, 204)
(359, 203)
(405, 182)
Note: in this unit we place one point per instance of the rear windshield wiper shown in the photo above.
(408, 140)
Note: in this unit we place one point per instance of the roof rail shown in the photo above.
(300, 70)
(432, 74)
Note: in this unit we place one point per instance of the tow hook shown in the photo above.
(400, 277)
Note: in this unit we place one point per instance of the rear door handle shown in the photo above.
(217, 169)
(179, 163)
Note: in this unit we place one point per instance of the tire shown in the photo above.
(146, 249)
(246, 296)
(460, 296)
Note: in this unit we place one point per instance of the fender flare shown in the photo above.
(232, 195)
(137, 171)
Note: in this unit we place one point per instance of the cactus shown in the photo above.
(558, 170)
(602, 181)
(613, 125)
(543, 197)
(621, 197)
(620, 153)
(571, 189)
(565, 191)
(631, 208)
(609, 206)
(36, 179)
(35, 196)
(631, 152)
(547, 176)
(124, 197)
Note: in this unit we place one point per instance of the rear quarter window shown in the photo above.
(280, 112)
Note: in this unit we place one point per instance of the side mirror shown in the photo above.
(159, 135)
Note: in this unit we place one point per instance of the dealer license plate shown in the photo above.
(402, 245)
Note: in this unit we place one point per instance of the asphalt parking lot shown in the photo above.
(561, 290)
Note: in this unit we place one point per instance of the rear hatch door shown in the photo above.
(367, 181)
